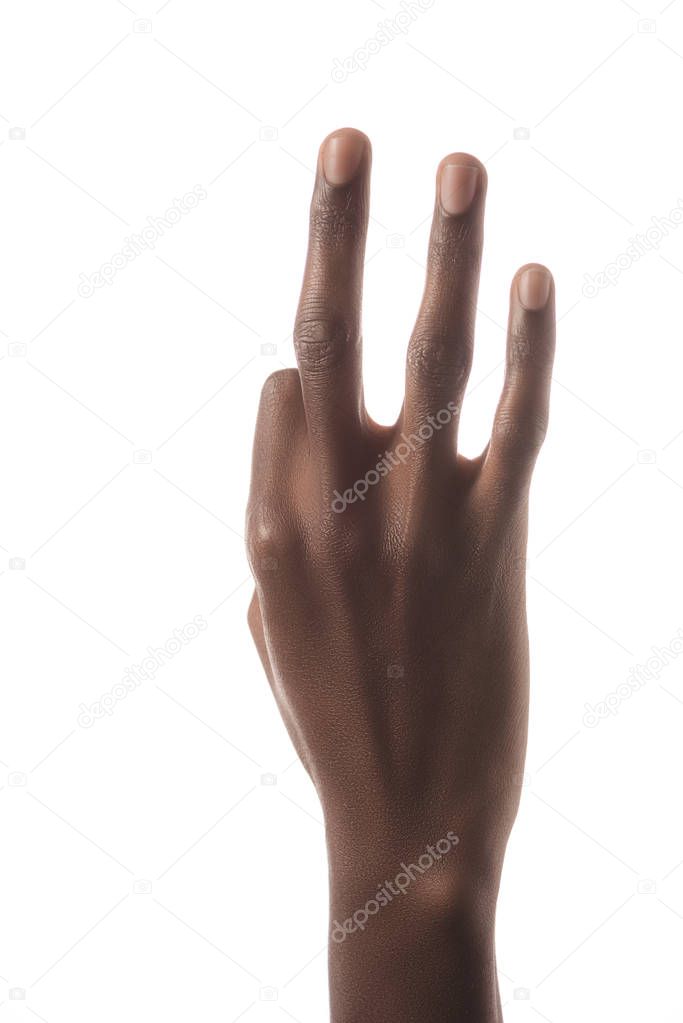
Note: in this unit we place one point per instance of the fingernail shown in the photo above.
(534, 289)
(458, 187)
(341, 158)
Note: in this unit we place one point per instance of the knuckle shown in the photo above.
(526, 348)
(321, 340)
(270, 539)
(450, 246)
(335, 217)
(521, 434)
(439, 356)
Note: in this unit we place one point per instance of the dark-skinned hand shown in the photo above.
(390, 601)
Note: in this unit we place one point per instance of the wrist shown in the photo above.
(435, 869)
(406, 904)
(411, 935)
(431, 960)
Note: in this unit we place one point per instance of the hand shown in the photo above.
(390, 600)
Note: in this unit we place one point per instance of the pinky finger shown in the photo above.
(522, 415)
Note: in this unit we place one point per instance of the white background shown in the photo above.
(169, 359)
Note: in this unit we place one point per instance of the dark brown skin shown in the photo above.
(392, 627)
